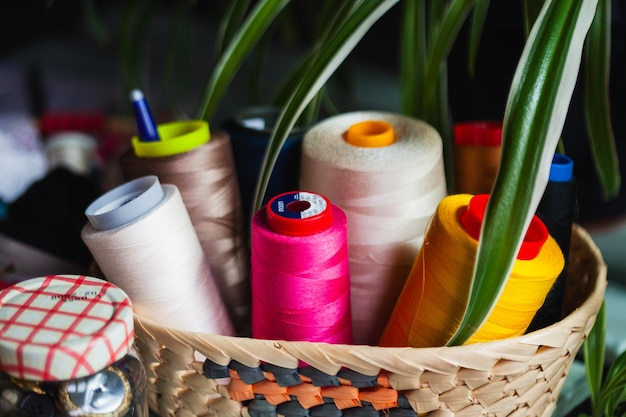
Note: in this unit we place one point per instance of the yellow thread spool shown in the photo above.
(371, 134)
(433, 300)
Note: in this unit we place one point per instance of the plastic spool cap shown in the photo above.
(125, 203)
(371, 134)
(176, 138)
(299, 213)
(535, 237)
(480, 133)
(562, 168)
(63, 327)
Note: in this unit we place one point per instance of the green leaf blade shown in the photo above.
(332, 25)
(440, 43)
(594, 349)
(333, 53)
(531, 11)
(597, 108)
(479, 15)
(413, 54)
(534, 118)
(264, 13)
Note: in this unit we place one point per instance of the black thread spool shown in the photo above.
(557, 210)
(250, 131)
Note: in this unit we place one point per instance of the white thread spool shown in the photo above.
(75, 151)
(388, 192)
(142, 238)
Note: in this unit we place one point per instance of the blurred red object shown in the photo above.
(59, 121)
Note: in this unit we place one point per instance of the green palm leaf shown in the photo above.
(427, 37)
(593, 349)
(479, 15)
(608, 393)
(336, 48)
(535, 113)
(597, 111)
(333, 21)
(233, 16)
(439, 44)
(413, 53)
(531, 11)
(238, 48)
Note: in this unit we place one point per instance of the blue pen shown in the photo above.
(145, 123)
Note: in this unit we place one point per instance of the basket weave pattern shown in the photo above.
(520, 376)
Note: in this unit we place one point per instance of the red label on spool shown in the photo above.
(299, 213)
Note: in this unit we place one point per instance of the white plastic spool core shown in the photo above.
(125, 203)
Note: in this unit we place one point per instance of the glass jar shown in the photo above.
(66, 350)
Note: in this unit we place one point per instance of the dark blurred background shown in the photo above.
(70, 63)
(62, 55)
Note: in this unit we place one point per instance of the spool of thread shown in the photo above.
(203, 170)
(142, 239)
(557, 210)
(477, 147)
(250, 131)
(300, 273)
(432, 303)
(75, 151)
(386, 172)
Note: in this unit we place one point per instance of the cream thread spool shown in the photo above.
(386, 172)
(75, 151)
(142, 239)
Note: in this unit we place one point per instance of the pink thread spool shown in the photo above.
(300, 276)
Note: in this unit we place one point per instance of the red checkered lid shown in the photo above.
(63, 327)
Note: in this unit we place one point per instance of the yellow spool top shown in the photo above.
(371, 134)
(176, 138)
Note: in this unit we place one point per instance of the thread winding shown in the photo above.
(477, 148)
(249, 132)
(432, 303)
(388, 194)
(301, 284)
(557, 209)
(206, 178)
(158, 261)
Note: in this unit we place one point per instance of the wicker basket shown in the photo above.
(520, 376)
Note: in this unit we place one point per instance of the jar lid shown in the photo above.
(62, 327)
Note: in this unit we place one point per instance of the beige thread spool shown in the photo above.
(389, 189)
